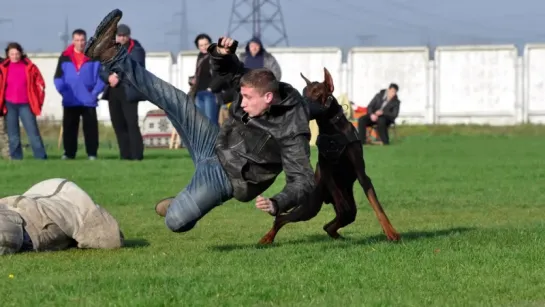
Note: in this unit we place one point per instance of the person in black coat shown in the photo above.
(123, 101)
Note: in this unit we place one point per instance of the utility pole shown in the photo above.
(183, 32)
(64, 36)
(183, 27)
(252, 12)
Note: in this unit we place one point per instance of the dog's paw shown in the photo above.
(332, 232)
(394, 236)
(266, 240)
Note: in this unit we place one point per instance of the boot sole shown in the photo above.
(112, 18)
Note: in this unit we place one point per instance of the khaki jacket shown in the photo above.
(58, 214)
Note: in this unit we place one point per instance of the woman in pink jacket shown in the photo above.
(22, 94)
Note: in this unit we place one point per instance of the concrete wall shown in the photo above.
(465, 84)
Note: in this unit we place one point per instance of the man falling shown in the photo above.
(55, 214)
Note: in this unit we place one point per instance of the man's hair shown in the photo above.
(79, 32)
(261, 79)
(394, 86)
(202, 36)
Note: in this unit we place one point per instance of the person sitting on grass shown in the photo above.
(267, 132)
(55, 214)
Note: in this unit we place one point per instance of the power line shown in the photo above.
(379, 19)
(371, 13)
(414, 10)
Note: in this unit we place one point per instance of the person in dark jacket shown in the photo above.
(267, 133)
(255, 56)
(200, 83)
(77, 79)
(123, 101)
(381, 111)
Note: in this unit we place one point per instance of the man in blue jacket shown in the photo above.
(123, 101)
(77, 79)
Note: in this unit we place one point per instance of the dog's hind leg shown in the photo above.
(303, 212)
(371, 194)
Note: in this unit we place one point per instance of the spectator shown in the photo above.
(123, 101)
(4, 142)
(257, 57)
(77, 79)
(382, 112)
(200, 83)
(22, 94)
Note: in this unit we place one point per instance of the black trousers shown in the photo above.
(70, 127)
(124, 116)
(382, 127)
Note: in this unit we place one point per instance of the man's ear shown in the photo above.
(269, 97)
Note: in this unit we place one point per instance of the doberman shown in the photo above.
(340, 163)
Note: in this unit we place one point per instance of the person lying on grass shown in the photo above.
(55, 214)
(266, 133)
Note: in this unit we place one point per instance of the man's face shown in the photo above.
(203, 44)
(253, 102)
(254, 48)
(391, 93)
(122, 39)
(79, 41)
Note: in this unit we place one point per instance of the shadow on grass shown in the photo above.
(136, 243)
(405, 237)
(156, 154)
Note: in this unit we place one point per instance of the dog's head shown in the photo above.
(319, 94)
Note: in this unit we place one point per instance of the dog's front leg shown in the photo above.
(343, 211)
(303, 212)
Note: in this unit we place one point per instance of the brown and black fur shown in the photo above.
(340, 164)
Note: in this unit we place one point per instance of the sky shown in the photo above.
(308, 23)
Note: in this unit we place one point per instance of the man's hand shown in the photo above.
(374, 117)
(226, 43)
(113, 79)
(265, 204)
(379, 112)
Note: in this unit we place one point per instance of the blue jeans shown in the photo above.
(22, 111)
(210, 186)
(206, 103)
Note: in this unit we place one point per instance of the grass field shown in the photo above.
(469, 203)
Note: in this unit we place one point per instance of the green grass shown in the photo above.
(468, 201)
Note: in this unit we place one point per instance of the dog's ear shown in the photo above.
(328, 81)
(306, 80)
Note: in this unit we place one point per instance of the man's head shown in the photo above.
(11, 231)
(254, 46)
(259, 89)
(202, 41)
(392, 90)
(123, 35)
(79, 38)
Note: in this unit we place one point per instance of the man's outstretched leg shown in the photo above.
(210, 185)
(195, 130)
